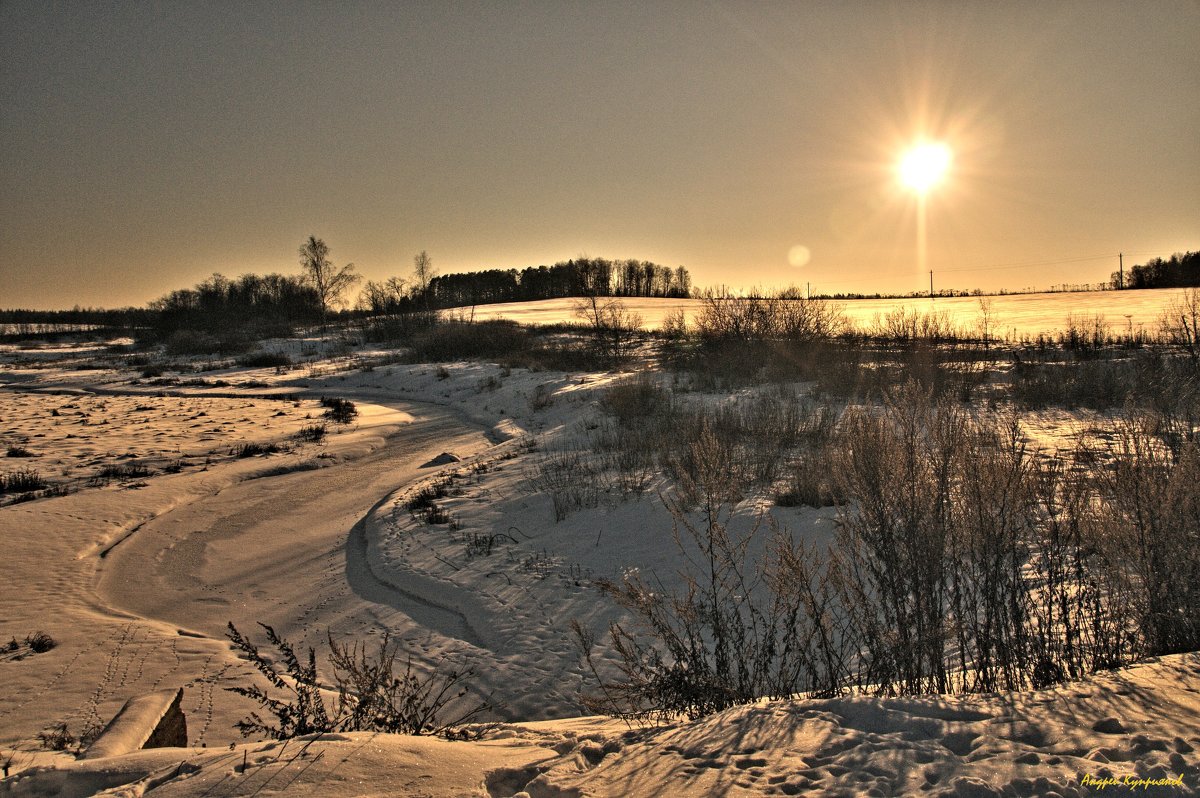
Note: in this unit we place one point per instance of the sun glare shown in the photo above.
(924, 165)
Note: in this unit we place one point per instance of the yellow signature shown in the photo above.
(1129, 782)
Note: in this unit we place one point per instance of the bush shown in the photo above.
(39, 642)
(436, 514)
(312, 433)
(57, 738)
(264, 360)
(721, 640)
(963, 562)
(124, 471)
(191, 342)
(339, 411)
(398, 327)
(1085, 333)
(810, 484)
(423, 504)
(570, 478)
(480, 544)
(459, 340)
(909, 325)
(373, 694)
(541, 398)
(612, 326)
(632, 400)
(1151, 520)
(786, 317)
(1096, 384)
(1164, 382)
(1181, 323)
(557, 355)
(23, 481)
(255, 449)
(838, 368)
(426, 496)
(18, 451)
(198, 342)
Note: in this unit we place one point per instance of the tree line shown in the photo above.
(255, 305)
(578, 277)
(1178, 271)
(271, 304)
(100, 317)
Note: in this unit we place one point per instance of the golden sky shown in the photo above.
(147, 145)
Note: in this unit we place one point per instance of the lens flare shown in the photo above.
(799, 256)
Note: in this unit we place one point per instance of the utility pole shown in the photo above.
(808, 290)
(931, 283)
(1121, 269)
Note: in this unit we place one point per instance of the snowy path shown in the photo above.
(287, 551)
(189, 552)
(271, 542)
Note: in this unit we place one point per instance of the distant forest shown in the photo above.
(577, 277)
(119, 317)
(1179, 271)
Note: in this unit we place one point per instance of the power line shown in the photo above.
(1030, 264)
(1013, 265)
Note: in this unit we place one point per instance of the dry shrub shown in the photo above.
(1164, 382)
(21, 481)
(339, 411)
(786, 317)
(1180, 323)
(909, 325)
(571, 479)
(463, 340)
(614, 328)
(373, 694)
(634, 400)
(712, 643)
(964, 562)
(1151, 520)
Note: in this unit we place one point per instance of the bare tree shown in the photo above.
(1181, 322)
(382, 297)
(330, 282)
(987, 320)
(614, 327)
(423, 274)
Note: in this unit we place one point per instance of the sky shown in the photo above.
(145, 146)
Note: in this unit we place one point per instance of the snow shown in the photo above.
(1012, 315)
(1035, 743)
(136, 578)
(135, 726)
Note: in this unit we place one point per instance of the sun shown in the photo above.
(924, 165)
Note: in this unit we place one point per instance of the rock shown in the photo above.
(445, 458)
(1109, 726)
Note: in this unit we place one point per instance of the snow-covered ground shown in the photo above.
(1012, 315)
(136, 578)
(1132, 732)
